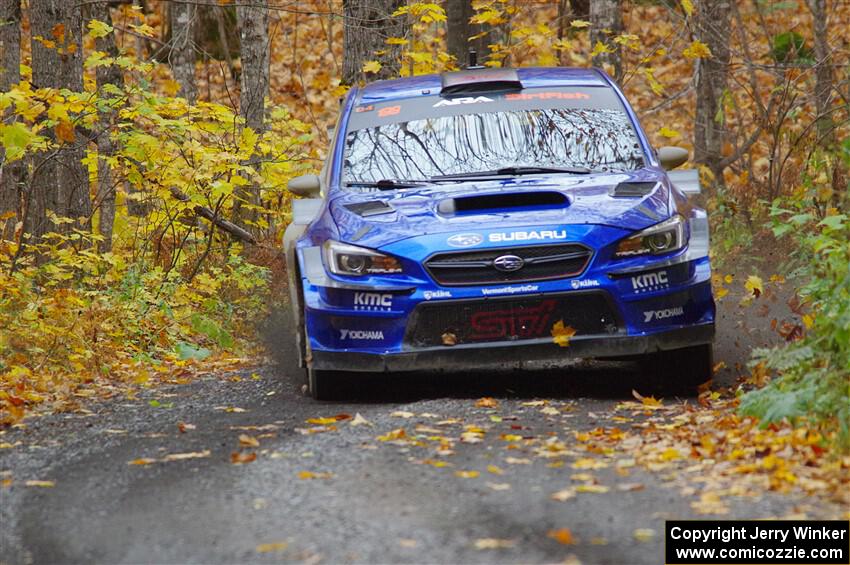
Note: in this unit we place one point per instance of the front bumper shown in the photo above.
(512, 354)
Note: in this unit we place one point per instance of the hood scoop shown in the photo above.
(490, 203)
(370, 208)
(632, 189)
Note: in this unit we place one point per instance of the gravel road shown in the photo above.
(381, 502)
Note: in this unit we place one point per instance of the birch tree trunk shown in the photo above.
(106, 185)
(253, 23)
(823, 71)
(60, 181)
(11, 174)
(181, 57)
(606, 18)
(712, 28)
(459, 30)
(368, 24)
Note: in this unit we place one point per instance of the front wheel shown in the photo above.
(326, 385)
(679, 370)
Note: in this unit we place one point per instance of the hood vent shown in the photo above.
(370, 208)
(633, 189)
(502, 203)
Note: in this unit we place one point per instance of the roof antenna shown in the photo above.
(473, 60)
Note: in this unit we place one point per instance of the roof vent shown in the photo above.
(480, 80)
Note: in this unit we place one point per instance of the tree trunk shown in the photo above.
(110, 74)
(182, 17)
(823, 72)
(253, 23)
(580, 9)
(60, 181)
(712, 28)
(368, 24)
(11, 174)
(606, 18)
(459, 30)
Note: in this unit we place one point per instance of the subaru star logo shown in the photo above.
(508, 263)
(465, 239)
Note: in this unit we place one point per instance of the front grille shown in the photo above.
(506, 319)
(541, 262)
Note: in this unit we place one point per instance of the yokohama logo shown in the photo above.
(663, 314)
(360, 334)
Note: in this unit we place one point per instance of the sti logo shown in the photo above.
(650, 281)
(361, 334)
(463, 100)
(372, 301)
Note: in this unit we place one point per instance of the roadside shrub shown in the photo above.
(812, 382)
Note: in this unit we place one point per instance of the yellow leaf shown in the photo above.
(467, 474)
(564, 495)
(670, 454)
(600, 48)
(511, 437)
(588, 463)
(44, 484)
(371, 67)
(561, 334)
(688, 6)
(495, 470)
(697, 50)
(487, 402)
(142, 461)
(307, 475)
(592, 488)
(99, 29)
(563, 536)
(644, 534)
(754, 285)
(393, 435)
(321, 421)
(648, 401)
(272, 547)
(808, 321)
(728, 279)
(579, 23)
(396, 41)
(668, 133)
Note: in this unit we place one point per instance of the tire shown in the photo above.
(678, 371)
(326, 385)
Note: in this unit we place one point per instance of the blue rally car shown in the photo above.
(497, 216)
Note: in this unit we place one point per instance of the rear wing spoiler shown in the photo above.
(686, 180)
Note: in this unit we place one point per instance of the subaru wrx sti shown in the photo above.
(497, 216)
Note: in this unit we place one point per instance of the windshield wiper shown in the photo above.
(389, 184)
(515, 171)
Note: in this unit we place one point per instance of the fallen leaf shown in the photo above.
(402, 414)
(360, 421)
(495, 470)
(321, 421)
(467, 474)
(393, 435)
(589, 463)
(487, 402)
(499, 486)
(561, 334)
(644, 535)
(307, 475)
(184, 427)
(189, 455)
(564, 495)
(249, 441)
(407, 543)
(272, 547)
(517, 461)
(141, 461)
(494, 543)
(43, 484)
(449, 339)
(563, 536)
(549, 411)
(598, 489)
(241, 458)
(629, 487)
(648, 401)
(754, 285)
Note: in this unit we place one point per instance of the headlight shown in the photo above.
(344, 259)
(661, 238)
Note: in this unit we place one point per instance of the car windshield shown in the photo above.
(577, 136)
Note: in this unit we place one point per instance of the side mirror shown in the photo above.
(305, 185)
(672, 157)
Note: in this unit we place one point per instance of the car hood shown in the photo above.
(377, 218)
